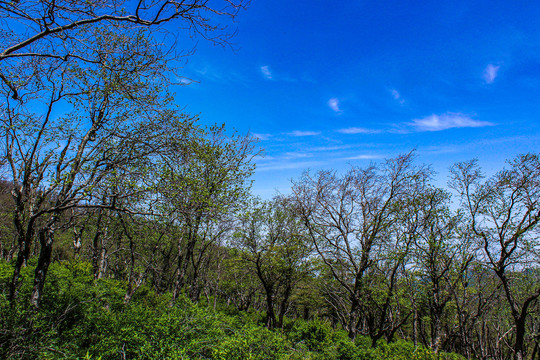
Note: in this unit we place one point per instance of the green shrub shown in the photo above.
(254, 343)
(81, 319)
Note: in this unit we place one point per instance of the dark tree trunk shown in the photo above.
(183, 264)
(46, 239)
(184, 258)
(25, 242)
(519, 348)
(270, 314)
(96, 247)
(354, 315)
(284, 305)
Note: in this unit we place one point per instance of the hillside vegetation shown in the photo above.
(85, 319)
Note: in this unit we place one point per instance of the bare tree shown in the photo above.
(439, 257)
(349, 220)
(503, 213)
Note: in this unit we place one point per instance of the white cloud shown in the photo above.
(446, 121)
(303, 133)
(490, 73)
(222, 77)
(334, 104)
(397, 96)
(331, 148)
(185, 81)
(364, 157)
(289, 165)
(262, 136)
(266, 72)
(358, 130)
(296, 155)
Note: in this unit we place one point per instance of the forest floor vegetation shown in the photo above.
(81, 318)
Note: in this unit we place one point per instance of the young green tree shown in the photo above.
(56, 161)
(273, 245)
(202, 180)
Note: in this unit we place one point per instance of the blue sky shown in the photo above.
(328, 84)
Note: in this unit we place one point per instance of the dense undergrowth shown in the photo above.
(85, 319)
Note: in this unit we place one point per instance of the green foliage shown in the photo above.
(252, 342)
(402, 350)
(322, 341)
(85, 319)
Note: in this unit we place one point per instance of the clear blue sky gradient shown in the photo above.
(327, 84)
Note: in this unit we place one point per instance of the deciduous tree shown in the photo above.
(349, 219)
(504, 212)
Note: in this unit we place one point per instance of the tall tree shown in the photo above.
(349, 219)
(273, 245)
(56, 161)
(203, 180)
(440, 257)
(504, 212)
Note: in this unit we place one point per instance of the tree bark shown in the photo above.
(46, 239)
(25, 241)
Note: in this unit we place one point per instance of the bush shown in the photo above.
(81, 318)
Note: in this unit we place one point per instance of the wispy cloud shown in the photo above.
(296, 155)
(446, 121)
(299, 133)
(289, 165)
(213, 74)
(331, 148)
(490, 73)
(185, 81)
(334, 105)
(272, 74)
(262, 137)
(397, 96)
(265, 70)
(358, 130)
(365, 157)
(475, 145)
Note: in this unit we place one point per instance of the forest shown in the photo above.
(128, 229)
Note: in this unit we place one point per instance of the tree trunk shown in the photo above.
(102, 266)
(270, 314)
(435, 331)
(179, 281)
(46, 239)
(183, 264)
(25, 241)
(77, 243)
(96, 246)
(284, 305)
(184, 258)
(415, 327)
(353, 317)
(519, 348)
